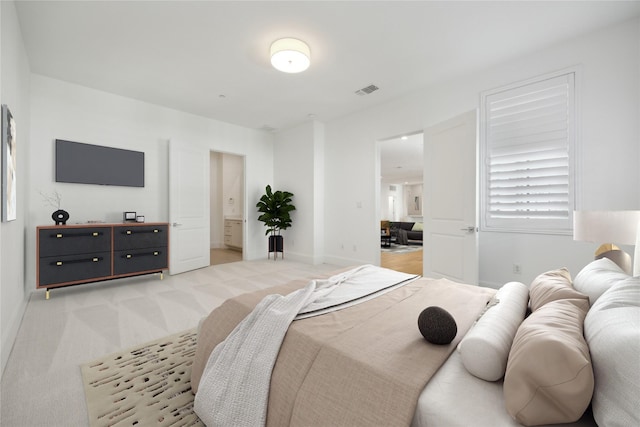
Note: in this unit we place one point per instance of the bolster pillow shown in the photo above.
(485, 348)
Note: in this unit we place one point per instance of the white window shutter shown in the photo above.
(528, 133)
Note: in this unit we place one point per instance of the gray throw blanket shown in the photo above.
(401, 237)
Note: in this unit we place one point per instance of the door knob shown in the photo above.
(469, 229)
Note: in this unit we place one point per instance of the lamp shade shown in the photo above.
(290, 55)
(622, 227)
(619, 227)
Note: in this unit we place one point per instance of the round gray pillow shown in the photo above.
(437, 326)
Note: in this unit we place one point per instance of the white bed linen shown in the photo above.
(455, 398)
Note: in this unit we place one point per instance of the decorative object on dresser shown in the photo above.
(128, 216)
(78, 254)
(60, 217)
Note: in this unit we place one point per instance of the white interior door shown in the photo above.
(450, 200)
(188, 207)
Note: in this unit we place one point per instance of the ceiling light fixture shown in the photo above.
(290, 55)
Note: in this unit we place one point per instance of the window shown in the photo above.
(527, 145)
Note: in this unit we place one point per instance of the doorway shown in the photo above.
(227, 210)
(401, 198)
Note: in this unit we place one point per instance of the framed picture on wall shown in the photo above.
(9, 166)
(414, 199)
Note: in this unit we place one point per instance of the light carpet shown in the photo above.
(42, 384)
(149, 384)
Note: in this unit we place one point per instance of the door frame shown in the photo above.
(378, 184)
(243, 214)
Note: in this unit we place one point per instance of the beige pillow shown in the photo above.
(552, 286)
(549, 377)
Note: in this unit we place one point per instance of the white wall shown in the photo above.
(67, 111)
(608, 144)
(216, 230)
(299, 168)
(14, 88)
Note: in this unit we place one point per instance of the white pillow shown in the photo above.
(612, 330)
(598, 276)
(485, 348)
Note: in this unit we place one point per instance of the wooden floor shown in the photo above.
(408, 263)
(224, 256)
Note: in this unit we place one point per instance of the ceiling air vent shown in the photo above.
(392, 188)
(366, 90)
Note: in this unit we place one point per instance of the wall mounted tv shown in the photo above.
(95, 164)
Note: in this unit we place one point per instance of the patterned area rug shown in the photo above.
(143, 386)
(401, 249)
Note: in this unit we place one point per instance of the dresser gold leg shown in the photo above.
(46, 295)
(161, 275)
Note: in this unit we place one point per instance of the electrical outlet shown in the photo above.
(517, 269)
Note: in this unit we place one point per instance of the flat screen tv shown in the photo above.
(94, 164)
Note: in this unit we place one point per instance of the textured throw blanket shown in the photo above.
(362, 366)
(234, 389)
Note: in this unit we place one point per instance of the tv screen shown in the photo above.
(95, 164)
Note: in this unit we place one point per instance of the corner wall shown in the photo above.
(299, 168)
(608, 146)
(14, 88)
(76, 113)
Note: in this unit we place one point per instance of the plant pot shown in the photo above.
(276, 244)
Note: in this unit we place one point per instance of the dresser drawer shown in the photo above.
(137, 260)
(136, 237)
(69, 268)
(67, 241)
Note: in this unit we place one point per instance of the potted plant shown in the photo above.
(275, 208)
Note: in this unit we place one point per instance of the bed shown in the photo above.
(368, 364)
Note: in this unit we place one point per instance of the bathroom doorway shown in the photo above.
(227, 207)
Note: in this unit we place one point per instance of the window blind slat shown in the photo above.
(527, 154)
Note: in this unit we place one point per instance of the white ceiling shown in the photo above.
(401, 160)
(211, 58)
